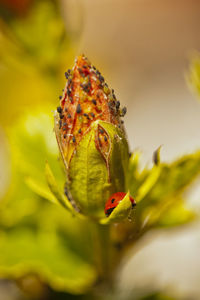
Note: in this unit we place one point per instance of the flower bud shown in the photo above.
(91, 139)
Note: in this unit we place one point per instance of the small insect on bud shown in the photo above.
(78, 108)
(123, 111)
(117, 105)
(59, 109)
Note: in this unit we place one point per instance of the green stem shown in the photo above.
(102, 250)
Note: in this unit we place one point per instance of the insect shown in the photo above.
(114, 200)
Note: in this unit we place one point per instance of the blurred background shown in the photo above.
(143, 48)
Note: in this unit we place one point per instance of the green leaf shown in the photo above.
(177, 214)
(24, 251)
(121, 212)
(136, 176)
(149, 182)
(40, 190)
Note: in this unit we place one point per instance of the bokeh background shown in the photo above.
(143, 48)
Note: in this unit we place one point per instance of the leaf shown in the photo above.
(39, 190)
(120, 213)
(59, 197)
(136, 177)
(177, 214)
(148, 184)
(34, 51)
(158, 190)
(24, 251)
(193, 77)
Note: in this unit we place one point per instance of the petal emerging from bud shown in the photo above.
(91, 138)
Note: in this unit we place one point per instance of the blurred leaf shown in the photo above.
(194, 74)
(60, 197)
(24, 252)
(176, 214)
(136, 176)
(149, 182)
(171, 212)
(158, 191)
(34, 50)
(158, 296)
(39, 190)
(40, 35)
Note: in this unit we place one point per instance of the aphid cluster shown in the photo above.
(86, 98)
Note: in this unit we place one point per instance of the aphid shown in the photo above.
(74, 139)
(81, 72)
(106, 90)
(69, 116)
(60, 124)
(101, 130)
(117, 105)
(101, 78)
(86, 87)
(94, 101)
(68, 92)
(59, 109)
(79, 131)
(60, 97)
(110, 104)
(86, 115)
(105, 138)
(92, 114)
(61, 116)
(123, 111)
(64, 136)
(78, 108)
(114, 200)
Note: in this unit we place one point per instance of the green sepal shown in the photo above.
(156, 156)
(120, 213)
(61, 198)
(148, 184)
(92, 176)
